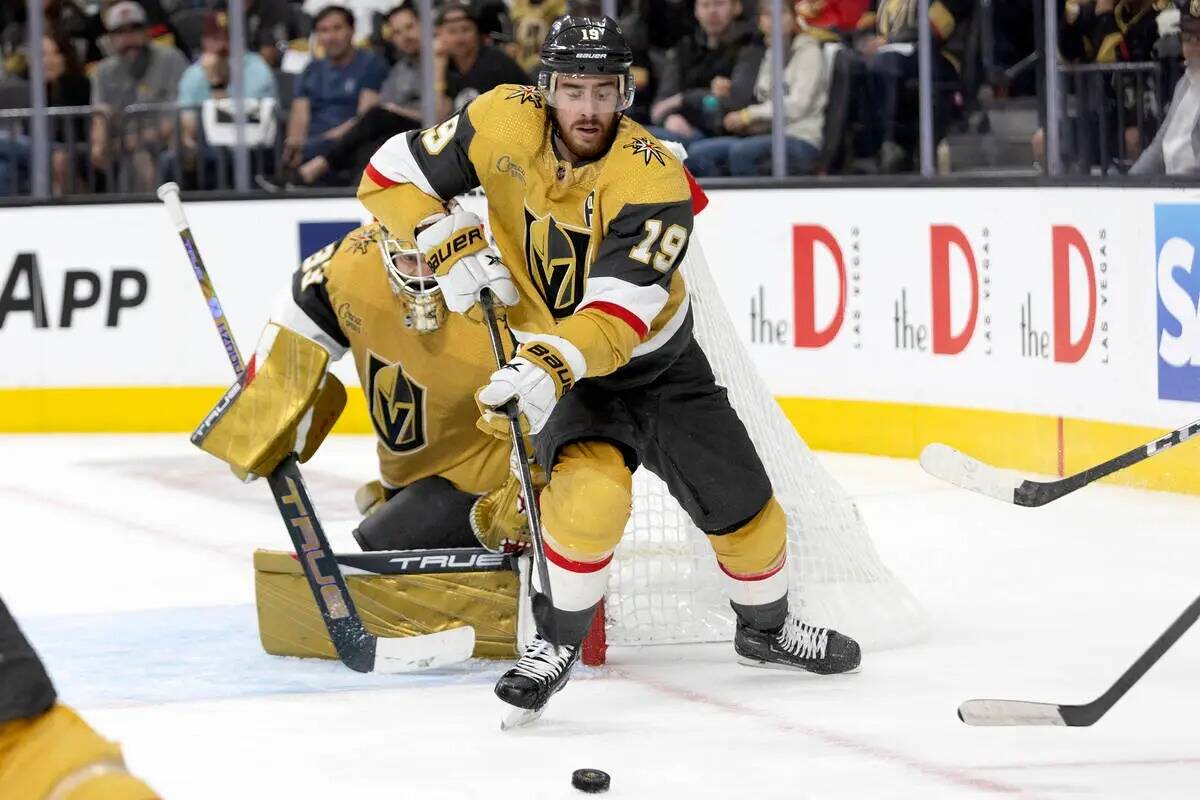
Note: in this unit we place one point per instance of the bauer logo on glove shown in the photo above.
(536, 378)
(463, 263)
(460, 244)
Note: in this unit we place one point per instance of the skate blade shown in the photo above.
(520, 717)
(752, 662)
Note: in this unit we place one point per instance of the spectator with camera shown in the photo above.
(707, 74)
(747, 150)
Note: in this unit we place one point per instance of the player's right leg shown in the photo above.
(585, 508)
(46, 750)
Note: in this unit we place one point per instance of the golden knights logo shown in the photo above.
(527, 94)
(557, 255)
(647, 148)
(397, 406)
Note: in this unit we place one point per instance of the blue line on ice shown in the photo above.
(183, 654)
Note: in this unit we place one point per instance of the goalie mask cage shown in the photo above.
(664, 585)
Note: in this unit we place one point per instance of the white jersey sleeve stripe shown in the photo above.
(396, 163)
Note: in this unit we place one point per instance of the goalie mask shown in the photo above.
(413, 283)
(586, 47)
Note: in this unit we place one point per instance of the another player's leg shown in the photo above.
(700, 448)
(585, 508)
(46, 750)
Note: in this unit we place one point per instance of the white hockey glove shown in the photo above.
(537, 377)
(456, 249)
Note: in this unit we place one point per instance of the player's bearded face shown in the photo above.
(586, 110)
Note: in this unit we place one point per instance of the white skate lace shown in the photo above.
(803, 640)
(543, 661)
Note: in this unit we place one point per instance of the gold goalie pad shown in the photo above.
(284, 402)
(390, 605)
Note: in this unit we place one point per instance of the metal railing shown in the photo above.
(1106, 106)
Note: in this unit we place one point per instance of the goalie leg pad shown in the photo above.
(753, 561)
(429, 513)
(284, 402)
(57, 755)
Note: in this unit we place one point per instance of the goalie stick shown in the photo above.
(972, 474)
(357, 648)
(1024, 712)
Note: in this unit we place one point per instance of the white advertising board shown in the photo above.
(1073, 302)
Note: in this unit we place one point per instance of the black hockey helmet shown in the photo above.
(586, 46)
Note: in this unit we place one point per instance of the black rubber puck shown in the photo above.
(592, 781)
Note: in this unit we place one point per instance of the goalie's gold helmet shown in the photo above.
(413, 283)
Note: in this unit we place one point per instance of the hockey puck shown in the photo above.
(592, 781)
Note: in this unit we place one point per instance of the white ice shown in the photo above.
(127, 561)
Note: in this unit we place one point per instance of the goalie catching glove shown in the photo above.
(536, 378)
(463, 263)
(283, 403)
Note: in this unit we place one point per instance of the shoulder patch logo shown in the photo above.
(648, 149)
(527, 94)
(360, 241)
(557, 255)
(397, 406)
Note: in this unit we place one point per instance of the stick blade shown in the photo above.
(948, 464)
(1009, 712)
(414, 653)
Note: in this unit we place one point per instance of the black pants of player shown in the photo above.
(372, 129)
(427, 514)
(681, 426)
(25, 689)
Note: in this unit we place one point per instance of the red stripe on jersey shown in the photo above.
(571, 565)
(379, 178)
(699, 198)
(623, 314)
(762, 576)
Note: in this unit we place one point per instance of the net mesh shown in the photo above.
(664, 585)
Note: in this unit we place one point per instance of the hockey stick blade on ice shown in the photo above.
(1023, 712)
(974, 475)
(357, 648)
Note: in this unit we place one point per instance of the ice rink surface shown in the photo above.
(127, 561)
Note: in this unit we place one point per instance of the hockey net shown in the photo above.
(664, 585)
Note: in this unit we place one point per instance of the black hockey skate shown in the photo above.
(797, 645)
(543, 670)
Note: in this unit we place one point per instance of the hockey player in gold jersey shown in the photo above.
(592, 218)
(47, 752)
(443, 482)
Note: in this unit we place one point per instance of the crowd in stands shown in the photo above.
(138, 87)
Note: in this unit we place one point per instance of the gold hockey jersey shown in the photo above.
(593, 248)
(420, 389)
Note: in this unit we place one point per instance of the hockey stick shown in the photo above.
(1023, 712)
(542, 602)
(970, 473)
(357, 648)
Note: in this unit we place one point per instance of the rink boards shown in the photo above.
(1041, 329)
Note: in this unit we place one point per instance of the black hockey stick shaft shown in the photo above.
(1037, 493)
(1027, 712)
(1093, 711)
(355, 646)
(543, 602)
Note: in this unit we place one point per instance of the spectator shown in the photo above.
(137, 72)
(830, 20)
(60, 15)
(1176, 147)
(806, 87)
(270, 25)
(531, 22)
(470, 65)
(707, 74)
(209, 79)
(66, 85)
(331, 90)
(399, 106)
(889, 49)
